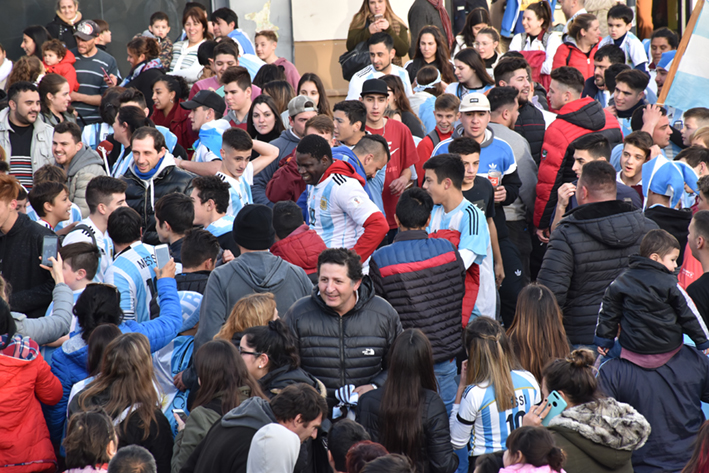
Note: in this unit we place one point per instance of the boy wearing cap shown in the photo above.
(399, 172)
(92, 65)
(206, 110)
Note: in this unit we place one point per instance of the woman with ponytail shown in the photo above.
(146, 68)
(494, 392)
(407, 415)
(597, 433)
(270, 353)
(532, 450)
(168, 92)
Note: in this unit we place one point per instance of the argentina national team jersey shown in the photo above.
(469, 221)
(338, 207)
(240, 190)
(478, 421)
(103, 241)
(360, 77)
(132, 274)
(221, 226)
(495, 154)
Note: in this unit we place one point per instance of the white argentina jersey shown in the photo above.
(240, 190)
(132, 274)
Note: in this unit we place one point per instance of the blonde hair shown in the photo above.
(360, 18)
(491, 359)
(249, 311)
(701, 135)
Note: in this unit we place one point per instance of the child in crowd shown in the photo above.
(51, 202)
(620, 21)
(159, 29)
(90, 442)
(648, 306)
(446, 113)
(46, 173)
(104, 35)
(636, 152)
(59, 60)
(5, 67)
(532, 450)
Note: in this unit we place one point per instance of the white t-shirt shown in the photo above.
(369, 72)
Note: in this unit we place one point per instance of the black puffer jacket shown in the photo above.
(651, 309)
(348, 349)
(275, 381)
(428, 293)
(530, 124)
(63, 31)
(674, 221)
(437, 454)
(142, 195)
(587, 251)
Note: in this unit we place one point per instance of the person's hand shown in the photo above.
(227, 256)
(602, 351)
(499, 273)
(383, 24)
(167, 271)
(177, 381)
(564, 193)
(463, 374)
(655, 151)
(542, 234)
(534, 417)
(65, 231)
(178, 162)
(365, 388)
(652, 114)
(180, 424)
(111, 80)
(611, 109)
(55, 269)
(500, 194)
(374, 28)
(398, 186)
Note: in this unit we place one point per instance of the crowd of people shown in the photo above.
(490, 258)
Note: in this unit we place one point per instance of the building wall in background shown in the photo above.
(257, 15)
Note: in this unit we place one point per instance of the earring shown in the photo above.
(172, 101)
(260, 366)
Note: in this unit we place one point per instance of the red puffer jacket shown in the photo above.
(27, 380)
(301, 248)
(568, 54)
(575, 119)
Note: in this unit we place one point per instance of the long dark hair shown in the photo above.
(443, 54)
(50, 84)
(475, 17)
(323, 102)
(98, 341)
(472, 58)
(275, 340)
(39, 35)
(98, 304)
(268, 100)
(410, 372)
(537, 445)
(397, 88)
(699, 463)
(133, 117)
(221, 372)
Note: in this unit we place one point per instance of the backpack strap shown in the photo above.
(434, 137)
(568, 57)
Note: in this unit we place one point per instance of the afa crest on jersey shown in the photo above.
(323, 204)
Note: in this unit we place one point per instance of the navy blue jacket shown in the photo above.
(669, 398)
(424, 280)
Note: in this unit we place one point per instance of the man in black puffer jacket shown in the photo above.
(152, 176)
(344, 330)
(590, 248)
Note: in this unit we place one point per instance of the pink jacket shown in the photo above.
(527, 468)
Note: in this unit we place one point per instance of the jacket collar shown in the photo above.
(411, 235)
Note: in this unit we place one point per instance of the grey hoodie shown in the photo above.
(86, 165)
(253, 272)
(255, 412)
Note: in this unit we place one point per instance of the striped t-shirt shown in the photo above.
(89, 74)
(21, 154)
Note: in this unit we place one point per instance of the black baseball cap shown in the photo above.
(375, 86)
(205, 98)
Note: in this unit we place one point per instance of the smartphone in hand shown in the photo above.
(181, 414)
(50, 247)
(557, 404)
(162, 255)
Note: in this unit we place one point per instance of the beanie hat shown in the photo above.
(253, 227)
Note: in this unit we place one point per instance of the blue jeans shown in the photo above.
(447, 387)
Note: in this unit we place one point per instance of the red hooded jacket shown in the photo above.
(27, 381)
(301, 248)
(178, 122)
(286, 183)
(65, 68)
(568, 54)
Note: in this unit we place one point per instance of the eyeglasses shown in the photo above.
(244, 352)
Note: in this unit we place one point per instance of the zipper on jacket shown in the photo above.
(342, 353)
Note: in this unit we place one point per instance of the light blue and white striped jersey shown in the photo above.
(240, 189)
(75, 217)
(95, 133)
(244, 42)
(369, 72)
(221, 226)
(337, 209)
(476, 420)
(132, 273)
(471, 225)
(103, 241)
(631, 46)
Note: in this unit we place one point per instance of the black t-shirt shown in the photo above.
(482, 194)
(699, 292)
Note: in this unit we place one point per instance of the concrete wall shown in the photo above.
(260, 14)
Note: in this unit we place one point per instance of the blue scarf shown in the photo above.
(148, 175)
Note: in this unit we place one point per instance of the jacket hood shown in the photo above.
(85, 157)
(365, 293)
(19, 352)
(288, 135)
(167, 161)
(607, 430)
(585, 113)
(262, 270)
(343, 168)
(301, 248)
(641, 262)
(68, 58)
(255, 412)
(278, 379)
(613, 223)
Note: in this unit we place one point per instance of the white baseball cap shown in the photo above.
(474, 102)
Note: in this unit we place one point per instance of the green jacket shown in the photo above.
(401, 41)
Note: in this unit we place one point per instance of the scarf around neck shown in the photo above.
(445, 20)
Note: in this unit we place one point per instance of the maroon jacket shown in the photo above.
(301, 248)
(286, 183)
(179, 123)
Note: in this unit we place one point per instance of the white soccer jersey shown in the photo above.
(132, 275)
(338, 207)
(369, 72)
(631, 46)
(240, 189)
(103, 241)
(477, 421)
